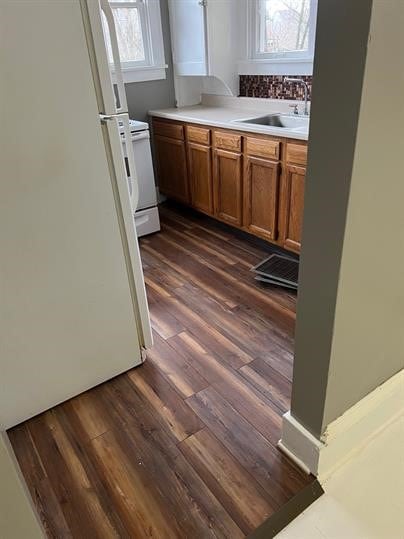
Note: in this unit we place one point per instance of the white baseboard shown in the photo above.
(347, 434)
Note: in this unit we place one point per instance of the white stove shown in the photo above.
(146, 214)
(135, 126)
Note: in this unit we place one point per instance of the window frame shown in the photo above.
(255, 37)
(153, 67)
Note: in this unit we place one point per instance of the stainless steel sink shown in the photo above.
(284, 121)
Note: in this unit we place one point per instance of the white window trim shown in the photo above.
(294, 62)
(154, 66)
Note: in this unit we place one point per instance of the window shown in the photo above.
(282, 29)
(140, 39)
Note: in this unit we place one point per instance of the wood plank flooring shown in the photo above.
(183, 446)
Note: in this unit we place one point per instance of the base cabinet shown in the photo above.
(250, 181)
(200, 175)
(228, 186)
(172, 168)
(293, 207)
(261, 192)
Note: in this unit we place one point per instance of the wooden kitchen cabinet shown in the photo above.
(172, 168)
(227, 190)
(250, 181)
(292, 199)
(261, 193)
(293, 206)
(200, 175)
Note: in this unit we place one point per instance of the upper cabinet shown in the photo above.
(188, 36)
(205, 39)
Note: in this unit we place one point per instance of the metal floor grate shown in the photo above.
(267, 280)
(278, 269)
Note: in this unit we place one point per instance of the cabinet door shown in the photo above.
(293, 207)
(227, 189)
(261, 187)
(188, 36)
(200, 176)
(172, 168)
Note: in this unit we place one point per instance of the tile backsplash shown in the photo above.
(274, 87)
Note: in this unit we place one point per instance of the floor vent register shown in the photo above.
(280, 270)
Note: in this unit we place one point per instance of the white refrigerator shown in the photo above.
(73, 307)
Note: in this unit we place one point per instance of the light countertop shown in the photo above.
(224, 113)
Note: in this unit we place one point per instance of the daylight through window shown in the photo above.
(140, 39)
(284, 28)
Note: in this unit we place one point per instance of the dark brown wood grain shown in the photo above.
(269, 382)
(168, 406)
(239, 493)
(184, 445)
(256, 454)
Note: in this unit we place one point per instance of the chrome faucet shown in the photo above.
(301, 81)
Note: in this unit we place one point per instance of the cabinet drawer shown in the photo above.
(168, 129)
(296, 153)
(200, 135)
(227, 141)
(261, 147)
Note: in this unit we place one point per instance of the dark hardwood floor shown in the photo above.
(185, 445)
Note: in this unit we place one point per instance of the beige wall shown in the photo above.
(368, 341)
(350, 323)
(17, 519)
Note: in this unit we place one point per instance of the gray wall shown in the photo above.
(350, 309)
(156, 94)
(341, 42)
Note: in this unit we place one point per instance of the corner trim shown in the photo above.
(347, 434)
(299, 444)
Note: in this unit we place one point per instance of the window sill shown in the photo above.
(276, 66)
(142, 74)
